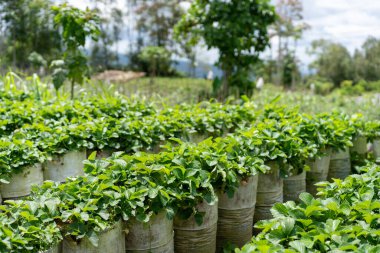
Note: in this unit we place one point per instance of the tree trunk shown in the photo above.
(279, 62)
(224, 90)
(294, 73)
(72, 89)
(14, 52)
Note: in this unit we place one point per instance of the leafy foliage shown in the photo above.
(17, 153)
(158, 60)
(239, 139)
(27, 30)
(238, 29)
(372, 130)
(28, 226)
(345, 218)
(76, 25)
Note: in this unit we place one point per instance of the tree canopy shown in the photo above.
(238, 29)
(76, 25)
(334, 62)
(26, 26)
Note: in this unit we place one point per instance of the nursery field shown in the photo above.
(285, 172)
(171, 91)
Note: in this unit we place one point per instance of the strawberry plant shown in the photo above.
(278, 141)
(359, 124)
(345, 218)
(152, 183)
(372, 130)
(327, 131)
(28, 226)
(83, 206)
(17, 153)
(224, 158)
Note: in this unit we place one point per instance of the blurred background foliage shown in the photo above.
(165, 39)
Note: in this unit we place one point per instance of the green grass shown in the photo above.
(168, 90)
(173, 91)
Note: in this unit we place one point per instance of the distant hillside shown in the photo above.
(183, 66)
(201, 70)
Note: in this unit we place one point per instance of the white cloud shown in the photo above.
(83, 4)
(348, 22)
(79, 4)
(339, 5)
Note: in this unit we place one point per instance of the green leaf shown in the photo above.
(93, 238)
(299, 246)
(198, 218)
(104, 214)
(279, 210)
(92, 157)
(306, 198)
(84, 216)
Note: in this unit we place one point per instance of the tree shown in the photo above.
(117, 24)
(189, 52)
(359, 66)
(333, 61)
(156, 58)
(76, 25)
(237, 28)
(26, 26)
(371, 57)
(104, 53)
(290, 71)
(266, 69)
(36, 60)
(289, 28)
(156, 19)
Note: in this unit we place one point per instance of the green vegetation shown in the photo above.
(158, 60)
(344, 218)
(32, 43)
(136, 184)
(26, 30)
(238, 29)
(169, 90)
(176, 142)
(31, 227)
(76, 25)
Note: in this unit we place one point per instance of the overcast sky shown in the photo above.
(349, 22)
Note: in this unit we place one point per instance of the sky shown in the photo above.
(348, 22)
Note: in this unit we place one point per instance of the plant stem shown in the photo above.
(72, 89)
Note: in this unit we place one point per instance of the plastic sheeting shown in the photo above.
(110, 240)
(294, 186)
(340, 165)
(359, 145)
(319, 169)
(56, 249)
(20, 184)
(189, 237)
(235, 215)
(156, 236)
(62, 167)
(376, 149)
(269, 192)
